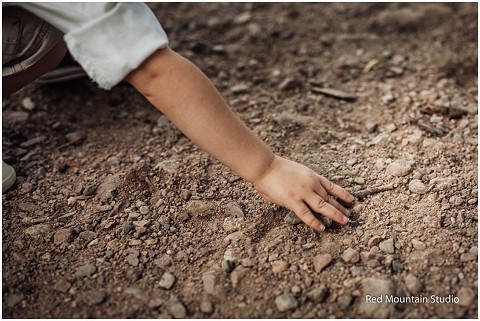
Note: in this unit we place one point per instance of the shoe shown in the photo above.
(8, 176)
(67, 69)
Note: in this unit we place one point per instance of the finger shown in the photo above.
(331, 200)
(335, 190)
(304, 213)
(320, 205)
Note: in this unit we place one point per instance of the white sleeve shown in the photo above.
(107, 39)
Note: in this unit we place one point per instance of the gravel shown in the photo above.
(413, 284)
(387, 246)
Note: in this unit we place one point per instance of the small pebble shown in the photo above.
(96, 297)
(344, 301)
(321, 261)
(85, 270)
(285, 302)
(413, 284)
(387, 246)
(466, 296)
(279, 266)
(176, 308)
(418, 245)
(351, 255)
(167, 281)
(318, 294)
(417, 187)
(400, 168)
(206, 307)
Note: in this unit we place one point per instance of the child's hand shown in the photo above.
(301, 190)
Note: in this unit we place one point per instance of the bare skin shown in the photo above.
(200, 112)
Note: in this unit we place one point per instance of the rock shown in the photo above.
(240, 89)
(228, 265)
(387, 246)
(397, 266)
(38, 231)
(64, 235)
(400, 168)
(292, 219)
(238, 274)
(413, 284)
(163, 262)
(232, 224)
(27, 207)
(466, 296)
(155, 303)
(75, 137)
(143, 224)
(212, 284)
(143, 210)
(96, 297)
(285, 302)
(374, 240)
(418, 245)
(28, 104)
(138, 294)
(243, 18)
(106, 189)
(85, 270)
(372, 287)
(14, 116)
(466, 257)
(62, 285)
(13, 299)
(132, 257)
(417, 187)
(206, 307)
(233, 209)
(318, 294)
(379, 138)
(388, 98)
(279, 266)
(331, 248)
(127, 227)
(169, 165)
(87, 235)
(321, 261)
(199, 208)
(351, 256)
(167, 281)
(176, 308)
(344, 301)
(90, 189)
(233, 237)
(371, 127)
(290, 84)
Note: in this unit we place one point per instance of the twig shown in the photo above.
(374, 190)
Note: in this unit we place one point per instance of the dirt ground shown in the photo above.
(116, 214)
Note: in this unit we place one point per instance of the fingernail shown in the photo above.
(346, 219)
(348, 213)
(322, 228)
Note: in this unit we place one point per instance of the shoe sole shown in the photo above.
(61, 75)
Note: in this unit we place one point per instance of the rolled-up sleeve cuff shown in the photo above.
(112, 45)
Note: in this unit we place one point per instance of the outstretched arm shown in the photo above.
(188, 98)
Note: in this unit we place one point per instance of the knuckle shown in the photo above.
(321, 203)
(331, 186)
